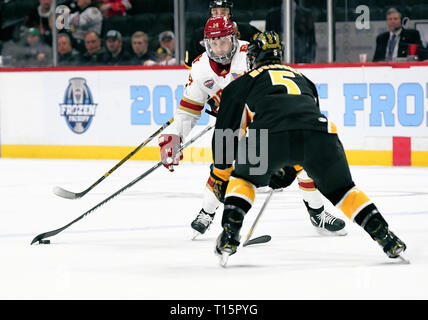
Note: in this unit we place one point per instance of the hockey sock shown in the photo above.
(310, 194)
(242, 189)
(370, 218)
(235, 209)
(353, 203)
(210, 202)
(239, 198)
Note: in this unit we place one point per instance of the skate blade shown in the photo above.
(224, 258)
(403, 259)
(325, 232)
(196, 234)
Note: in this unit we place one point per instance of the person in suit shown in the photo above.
(394, 43)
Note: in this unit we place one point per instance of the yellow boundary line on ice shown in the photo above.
(194, 154)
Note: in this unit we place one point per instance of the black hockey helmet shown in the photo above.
(265, 47)
(221, 4)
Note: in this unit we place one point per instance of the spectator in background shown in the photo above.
(304, 31)
(140, 45)
(39, 18)
(111, 8)
(167, 41)
(115, 54)
(67, 56)
(164, 57)
(86, 18)
(395, 42)
(71, 4)
(34, 53)
(94, 54)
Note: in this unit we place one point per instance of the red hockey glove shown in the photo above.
(169, 144)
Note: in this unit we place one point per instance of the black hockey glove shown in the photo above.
(283, 178)
(214, 109)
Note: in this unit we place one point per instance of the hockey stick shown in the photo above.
(258, 240)
(261, 239)
(72, 195)
(48, 234)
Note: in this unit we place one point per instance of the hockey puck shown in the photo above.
(44, 241)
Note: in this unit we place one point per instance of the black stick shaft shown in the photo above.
(250, 233)
(71, 195)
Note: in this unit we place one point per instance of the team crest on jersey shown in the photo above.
(78, 107)
(244, 48)
(209, 84)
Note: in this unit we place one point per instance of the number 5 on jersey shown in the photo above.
(281, 78)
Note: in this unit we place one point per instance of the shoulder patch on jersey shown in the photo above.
(244, 48)
(197, 58)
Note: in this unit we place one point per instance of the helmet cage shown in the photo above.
(226, 57)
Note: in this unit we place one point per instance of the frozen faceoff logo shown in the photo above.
(78, 107)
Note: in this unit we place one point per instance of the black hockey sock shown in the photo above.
(235, 209)
(370, 219)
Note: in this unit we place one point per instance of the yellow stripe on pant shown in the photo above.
(240, 188)
(353, 202)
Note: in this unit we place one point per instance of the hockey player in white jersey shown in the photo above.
(86, 18)
(223, 61)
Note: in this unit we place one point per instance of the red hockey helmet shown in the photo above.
(219, 38)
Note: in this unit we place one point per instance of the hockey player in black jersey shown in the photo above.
(273, 112)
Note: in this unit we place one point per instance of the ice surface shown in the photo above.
(137, 246)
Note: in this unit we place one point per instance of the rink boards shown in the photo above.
(380, 110)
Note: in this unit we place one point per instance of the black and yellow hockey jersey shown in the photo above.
(274, 97)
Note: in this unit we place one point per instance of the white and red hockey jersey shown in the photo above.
(206, 80)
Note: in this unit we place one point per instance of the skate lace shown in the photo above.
(324, 218)
(204, 218)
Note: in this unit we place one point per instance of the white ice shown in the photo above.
(137, 246)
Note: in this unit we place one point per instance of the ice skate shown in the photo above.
(226, 245)
(201, 223)
(325, 223)
(390, 243)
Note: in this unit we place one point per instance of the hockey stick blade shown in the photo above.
(258, 240)
(68, 194)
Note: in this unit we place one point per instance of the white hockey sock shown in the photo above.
(310, 193)
(210, 202)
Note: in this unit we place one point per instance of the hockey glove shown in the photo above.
(283, 178)
(218, 181)
(169, 144)
(214, 109)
